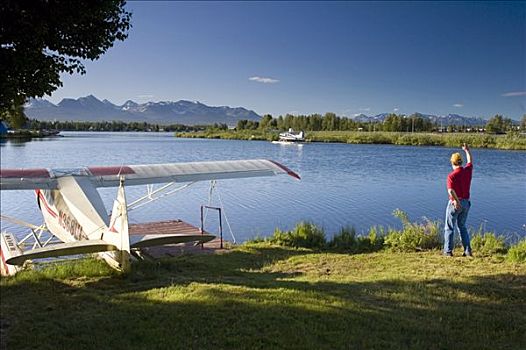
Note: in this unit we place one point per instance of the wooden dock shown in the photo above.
(170, 227)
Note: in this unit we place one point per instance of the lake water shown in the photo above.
(357, 185)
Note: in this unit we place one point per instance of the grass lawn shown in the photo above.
(261, 296)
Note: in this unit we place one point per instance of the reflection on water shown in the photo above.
(341, 184)
(14, 141)
(22, 141)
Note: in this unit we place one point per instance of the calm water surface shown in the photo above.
(358, 185)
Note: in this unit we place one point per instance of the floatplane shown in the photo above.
(74, 212)
(290, 137)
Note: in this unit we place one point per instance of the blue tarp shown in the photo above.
(3, 128)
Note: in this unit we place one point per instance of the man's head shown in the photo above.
(456, 160)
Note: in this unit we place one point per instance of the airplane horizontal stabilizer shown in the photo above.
(154, 240)
(60, 249)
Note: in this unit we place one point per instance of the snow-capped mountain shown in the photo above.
(455, 119)
(165, 112)
(39, 103)
(129, 104)
(363, 118)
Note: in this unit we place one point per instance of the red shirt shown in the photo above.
(460, 181)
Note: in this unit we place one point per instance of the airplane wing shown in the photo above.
(61, 249)
(109, 176)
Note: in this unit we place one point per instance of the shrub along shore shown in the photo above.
(511, 141)
(390, 289)
(412, 237)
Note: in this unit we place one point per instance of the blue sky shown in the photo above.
(467, 58)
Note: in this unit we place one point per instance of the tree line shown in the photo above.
(315, 122)
(392, 122)
(34, 124)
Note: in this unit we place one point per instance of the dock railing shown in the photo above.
(220, 222)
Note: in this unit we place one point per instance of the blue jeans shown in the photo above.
(456, 218)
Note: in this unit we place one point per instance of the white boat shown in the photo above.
(290, 137)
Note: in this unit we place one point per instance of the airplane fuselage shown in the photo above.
(58, 218)
(75, 212)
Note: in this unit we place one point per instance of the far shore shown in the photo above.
(476, 140)
(511, 141)
(29, 134)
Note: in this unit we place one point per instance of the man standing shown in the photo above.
(458, 185)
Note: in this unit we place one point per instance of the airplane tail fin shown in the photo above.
(117, 233)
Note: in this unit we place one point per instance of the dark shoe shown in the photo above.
(448, 254)
(467, 254)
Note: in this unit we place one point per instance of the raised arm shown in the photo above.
(469, 158)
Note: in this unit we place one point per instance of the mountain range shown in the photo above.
(90, 108)
(164, 112)
(443, 120)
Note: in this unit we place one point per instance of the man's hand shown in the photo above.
(465, 147)
(457, 205)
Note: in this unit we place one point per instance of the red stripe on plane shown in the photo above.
(43, 200)
(110, 170)
(19, 173)
(290, 172)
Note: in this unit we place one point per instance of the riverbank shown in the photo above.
(265, 296)
(506, 142)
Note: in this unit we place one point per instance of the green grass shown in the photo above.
(413, 236)
(255, 135)
(304, 235)
(510, 141)
(264, 296)
(488, 243)
(517, 252)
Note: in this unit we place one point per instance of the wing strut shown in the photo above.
(213, 186)
(151, 195)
